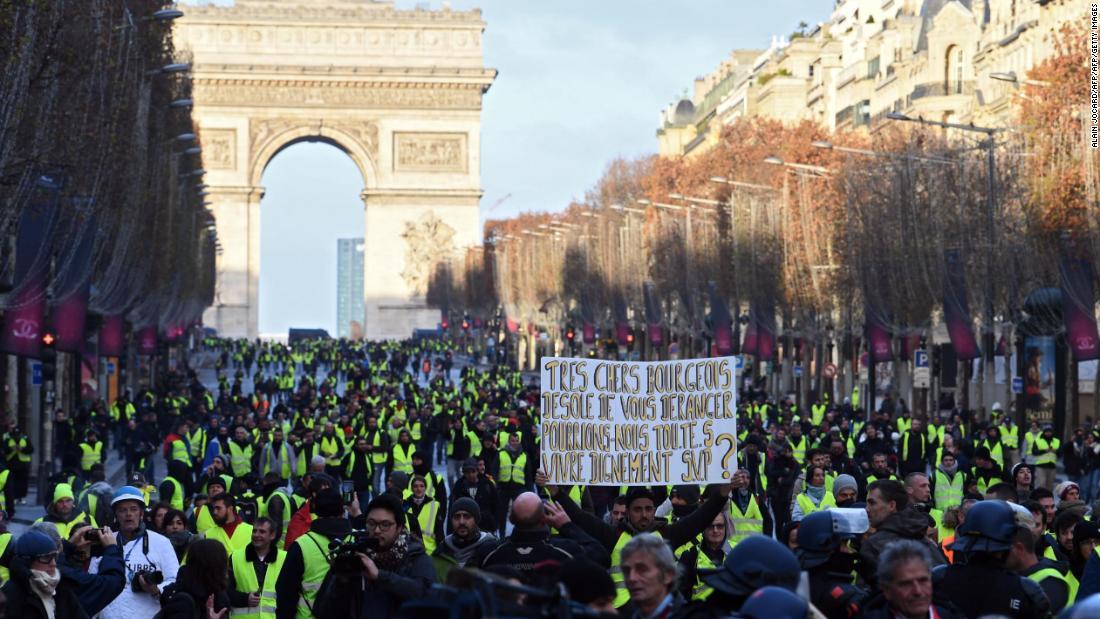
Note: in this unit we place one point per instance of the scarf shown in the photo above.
(44, 585)
(816, 492)
(950, 471)
(392, 558)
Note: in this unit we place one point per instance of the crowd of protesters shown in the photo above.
(346, 479)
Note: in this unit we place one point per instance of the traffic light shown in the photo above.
(570, 334)
(630, 340)
(49, 357)
(465, 323)
(445, 324)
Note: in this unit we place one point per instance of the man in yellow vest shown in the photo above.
(91, 452)
(400, 459)
(230, 530)
(254, 570)
(1045, 451)
(308, 559)
(63, 512)
(240, 453)
(511, 478)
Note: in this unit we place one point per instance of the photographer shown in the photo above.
(95, 591)
(37, 587)
(397, 569)
(151, 562)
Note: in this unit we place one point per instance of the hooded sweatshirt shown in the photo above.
(908, 523)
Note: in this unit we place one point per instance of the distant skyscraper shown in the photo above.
(349, 288)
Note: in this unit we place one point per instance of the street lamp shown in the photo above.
(186, 137)
(1010, 76)
(825, 144)
(726, 181)
(164, 15)
(816, 169)
(170, 69)
(671, 207)
(182, 103)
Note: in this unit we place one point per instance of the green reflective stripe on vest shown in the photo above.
(701, 591)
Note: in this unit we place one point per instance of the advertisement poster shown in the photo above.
(1039, 378)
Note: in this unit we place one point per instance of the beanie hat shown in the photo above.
(63, 491)
(586, 581)
(400, 480)
(328, 504)
(468, 505)
(844, 481)
(982, 452)
(689, 493)
(469, 465)
(34, 544)
(1060, 489)
(127, 493)
(638, 493)
(1086, 530)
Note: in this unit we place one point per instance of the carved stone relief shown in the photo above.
(427, 240)
(429, 152)
(343, 94)
(219, 149)
(365, 132)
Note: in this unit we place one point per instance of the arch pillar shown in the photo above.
(237, 290)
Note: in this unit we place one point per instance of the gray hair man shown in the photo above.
(905, 578)
(650, 575)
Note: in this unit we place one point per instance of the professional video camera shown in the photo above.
(343, 550)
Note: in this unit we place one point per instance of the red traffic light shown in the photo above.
(569, 335)
(465, 325)
(629, 338)
(48, 339)
(445, 324)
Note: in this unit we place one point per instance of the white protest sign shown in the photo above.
(618, 423)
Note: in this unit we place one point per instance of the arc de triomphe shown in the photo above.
(398, 90)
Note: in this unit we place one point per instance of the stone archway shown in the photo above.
(398, 91)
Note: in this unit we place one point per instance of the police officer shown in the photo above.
(826, 554)
(984, 585)
(756, 562)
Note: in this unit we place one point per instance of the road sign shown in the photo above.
(110, 368)
(829, 371)
(36, 373)
(1017, 384)
(739, 364)
(922, 378)
(798, 371)
(920, 359)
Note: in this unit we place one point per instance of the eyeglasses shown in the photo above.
(717, 527)
(380, 526)
(47, 558)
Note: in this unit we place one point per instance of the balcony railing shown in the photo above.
(941, 89)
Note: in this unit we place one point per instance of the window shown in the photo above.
(953, 71)
(872, 68)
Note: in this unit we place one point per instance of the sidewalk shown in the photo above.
(115, 468)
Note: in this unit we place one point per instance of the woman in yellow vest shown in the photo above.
(707, 554)
(425, 514)
(814, 498)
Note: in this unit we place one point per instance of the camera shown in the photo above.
(344, 550)
(153, 578)
(91, 535)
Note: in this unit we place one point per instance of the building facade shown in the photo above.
(924, 58)
(350, 309)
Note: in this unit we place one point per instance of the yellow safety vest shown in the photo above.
(242, 536)
(402, 458)
(949, 491)
(291, 506)
(426, 518)
(1043, 445)
(701, 591)
(315, 561)
(240, 459)
(798, 449)
(750, 522)
(807, 504)
(177, 493)
(512, 470)
(330, 449)
(817, 413)
(179, 452)
(90, 456)
(1050, 572)
(378, 456)
(5, 539)
(245, 576)
(203, 520)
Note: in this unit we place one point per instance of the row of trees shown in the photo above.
(824, 231)
(96, 129)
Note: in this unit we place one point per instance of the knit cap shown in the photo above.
(468, 505)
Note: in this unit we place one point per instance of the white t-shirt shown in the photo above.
(160, 557)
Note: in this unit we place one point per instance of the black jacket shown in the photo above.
(524, 549)
(676, 534)
(23, 603)
(485, 495)
(384, 596)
